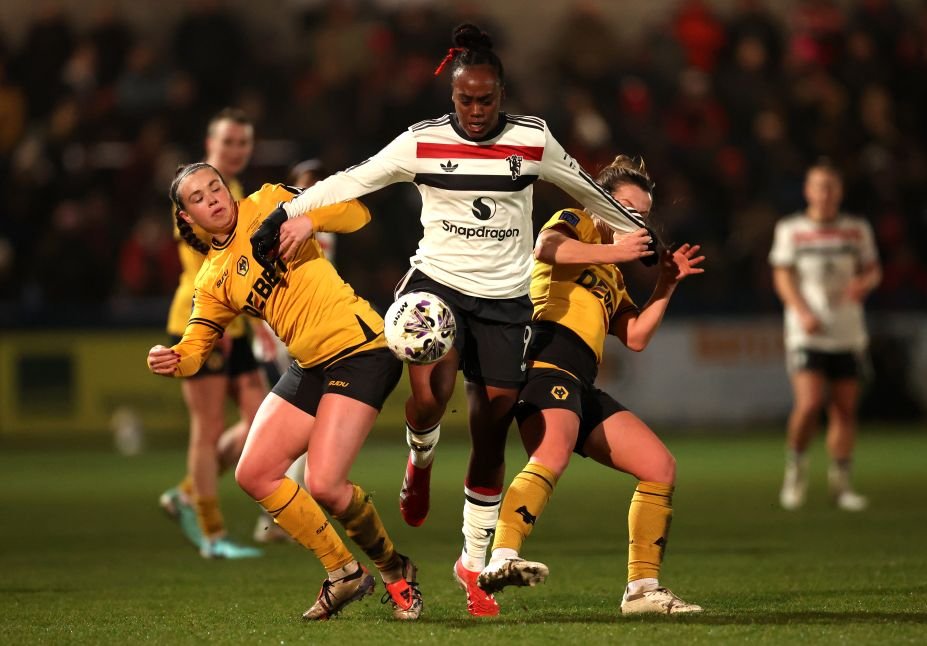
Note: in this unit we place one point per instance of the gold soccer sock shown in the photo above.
(648, 528)
(209, 516)
(186, 487)
(301, 517)
(523, 503)
(363, 526)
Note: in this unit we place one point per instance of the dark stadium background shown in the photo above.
(728, 102)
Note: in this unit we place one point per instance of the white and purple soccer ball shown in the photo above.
(420, 328)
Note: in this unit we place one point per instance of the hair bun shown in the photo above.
(471, 37)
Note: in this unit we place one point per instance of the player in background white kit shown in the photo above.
(825, 263)
(274, 356)
(475, 169)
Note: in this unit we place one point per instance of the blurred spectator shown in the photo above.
(210, 46)
(816, 33)
(148, 263)
(12, 114)
(48, 44)
(68, 265)
(700, 32)
(112, 39)
(142, 87)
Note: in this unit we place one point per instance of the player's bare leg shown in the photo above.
(841, 440)
(808, 391)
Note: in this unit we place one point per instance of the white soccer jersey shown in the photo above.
(825, 257)
(476, 197)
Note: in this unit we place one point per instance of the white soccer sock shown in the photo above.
(422, 444)
(340, 573)
(480, 514)
(796, 464)
(838, 475)
(642, 585)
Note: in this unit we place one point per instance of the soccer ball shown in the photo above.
(420, 328)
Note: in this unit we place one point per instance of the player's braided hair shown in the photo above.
(187, 233)
(625, 170)
(471, 46)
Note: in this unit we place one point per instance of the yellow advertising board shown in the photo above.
(64, 381)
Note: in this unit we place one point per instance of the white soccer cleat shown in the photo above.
(841, 491)
(794, 485)
(660, 601)
(499, 574)
(851, 501)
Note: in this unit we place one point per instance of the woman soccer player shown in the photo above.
(326, 402)
(474, 168)
(579, 297)
(231, 369)
(825, 263)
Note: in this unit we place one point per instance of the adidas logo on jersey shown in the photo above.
(449, 167)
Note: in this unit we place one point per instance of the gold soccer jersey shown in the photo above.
(190, 261)
(582, 298)
(307, 304)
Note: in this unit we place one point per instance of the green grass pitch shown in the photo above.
(86, 556)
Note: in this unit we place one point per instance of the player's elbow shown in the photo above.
(545, 249)
(363, 214)
(636, 341)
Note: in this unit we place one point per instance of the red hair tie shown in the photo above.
(451, 53)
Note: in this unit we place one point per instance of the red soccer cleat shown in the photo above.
(415, 493)
(479, 604)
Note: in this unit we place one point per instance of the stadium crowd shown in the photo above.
(728, 108)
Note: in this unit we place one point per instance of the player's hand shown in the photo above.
(808, 321)
(632, 246)
(683, 262)
(163, 360)
(265, 240)
(857, 289)
(293, 234)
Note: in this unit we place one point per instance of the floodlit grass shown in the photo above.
(87, 557)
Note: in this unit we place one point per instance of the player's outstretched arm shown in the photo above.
(636, 329)
(558, 246)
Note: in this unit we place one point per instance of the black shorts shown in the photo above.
(490, 331)
(239, 361)
(551, 388)
(833, 365)
(368, 377)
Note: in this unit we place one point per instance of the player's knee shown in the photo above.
(251, 478)
(809, 407)
(424, 411)
(667, 468)
(325, 492)
(662, 468)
